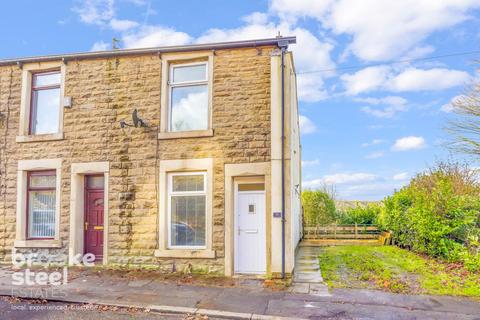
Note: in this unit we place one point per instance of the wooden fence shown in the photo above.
(334, 231)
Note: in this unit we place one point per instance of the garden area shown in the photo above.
(434, 225)
(392, 269)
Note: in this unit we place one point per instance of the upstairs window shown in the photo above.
(188, 89)
(41, 200)
(45, 103)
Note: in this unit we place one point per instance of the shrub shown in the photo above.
(359, 214)
(437, 213)
(318, 207)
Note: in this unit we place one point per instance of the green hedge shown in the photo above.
(318, 207)
(437, 213)
(360, 214)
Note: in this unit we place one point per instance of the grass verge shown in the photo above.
(393, 269)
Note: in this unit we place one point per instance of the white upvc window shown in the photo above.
(188, 108)
(45, 102)
(187, 210)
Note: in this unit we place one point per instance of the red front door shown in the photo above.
(94, 198)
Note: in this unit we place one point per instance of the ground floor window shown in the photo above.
(187, 199)
(41, 203)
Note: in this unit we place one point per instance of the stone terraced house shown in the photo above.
(199, 180)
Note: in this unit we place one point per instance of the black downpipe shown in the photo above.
(283, 160)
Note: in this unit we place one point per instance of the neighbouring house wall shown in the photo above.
(295, 155)
(105, 91)
(292, 164)
(292, 158)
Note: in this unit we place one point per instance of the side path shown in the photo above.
(247, 301)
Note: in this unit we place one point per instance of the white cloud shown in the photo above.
(401, 176)
(308, 163)
(370, 191)
(390, 100)
(97, 12)
(154, 36)
(374, 155)
(291, 10)
(306, 125)
(256, 18)
(413, 79)
(365, 80)
(409, 143)
(100, 46)
(450, 106)
(123, 25)
(380, 29)
(407, 80)
(393, 104)
(373, 142)
(342, 178)
(309, 53)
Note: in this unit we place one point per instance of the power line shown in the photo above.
(392, 62)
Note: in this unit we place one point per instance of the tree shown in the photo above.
(318, 206)
(465, 129)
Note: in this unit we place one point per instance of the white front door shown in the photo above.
(250, 239)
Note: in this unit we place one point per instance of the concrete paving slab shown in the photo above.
(138, 283)
(300, 288)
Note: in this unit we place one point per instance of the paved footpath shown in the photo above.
(248, 300)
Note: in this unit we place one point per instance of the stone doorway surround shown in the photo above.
(232, 173)
(77, 217)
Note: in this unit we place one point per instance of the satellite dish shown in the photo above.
(135, 118)
(137, 122)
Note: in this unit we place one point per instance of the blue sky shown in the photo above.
(369, 122)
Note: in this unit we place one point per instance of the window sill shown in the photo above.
(37, 244)
(185, 134)
(40, 137)
(185, 253)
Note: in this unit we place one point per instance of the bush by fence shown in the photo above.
(318, 207)
(359, 214)
(438, 213)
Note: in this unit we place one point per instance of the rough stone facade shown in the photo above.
(105, 91)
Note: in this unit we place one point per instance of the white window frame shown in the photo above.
(170, 60)
(185, 193)
(172, 85)
(183, 166)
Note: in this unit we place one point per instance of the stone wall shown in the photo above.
(105, 91)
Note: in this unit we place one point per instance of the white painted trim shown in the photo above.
(276, 163)
(77, 180)
(184, 165)
(188, 83)
(21, 226)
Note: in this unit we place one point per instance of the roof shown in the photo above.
(279, 41)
